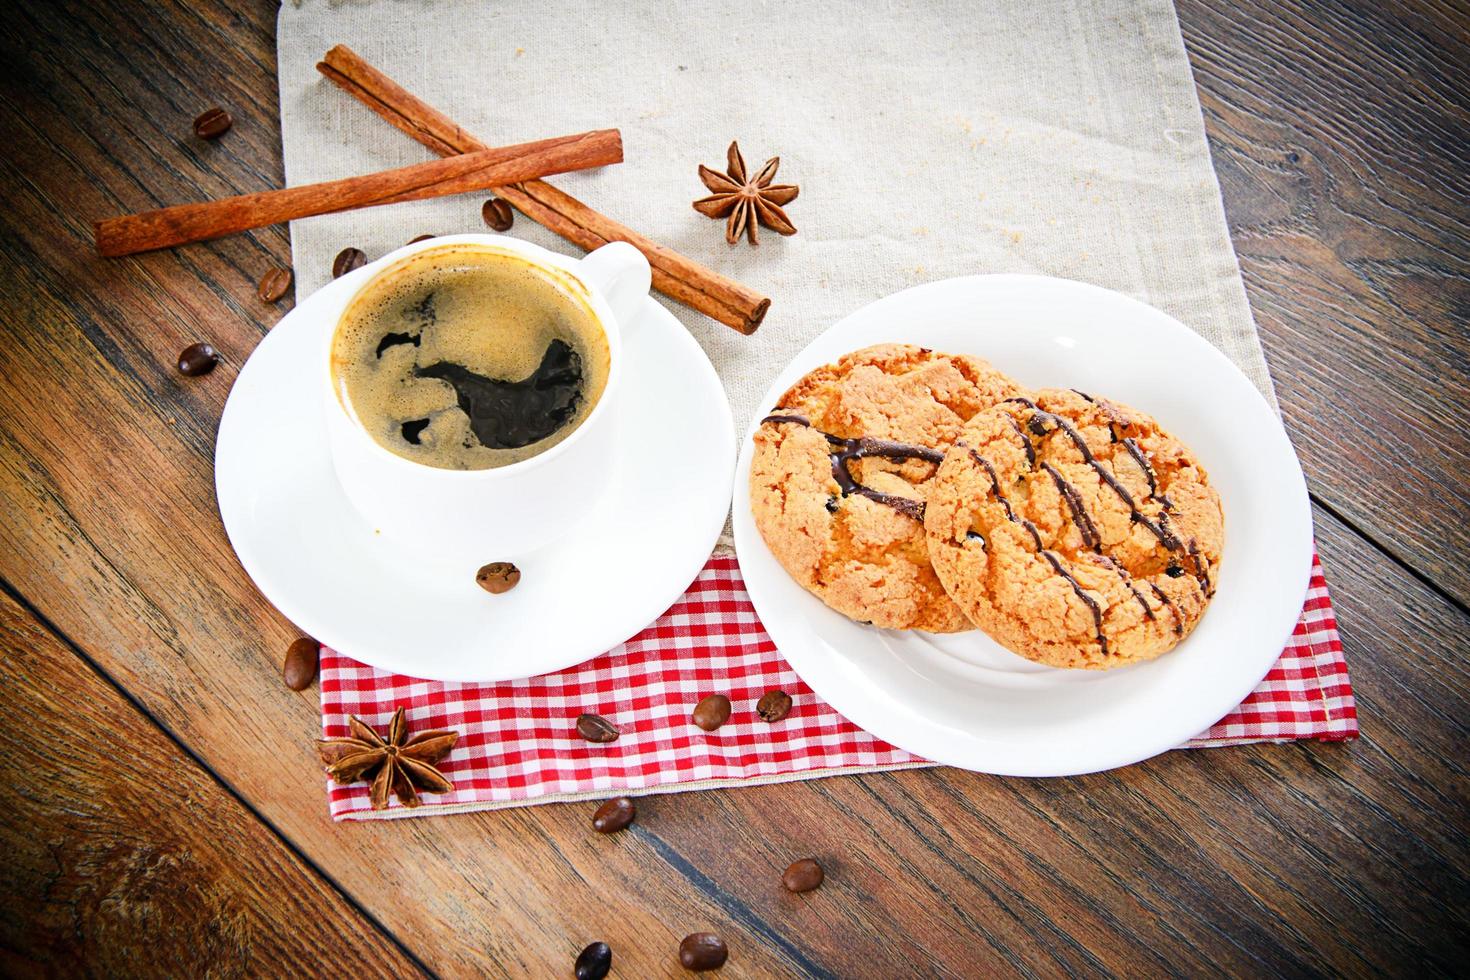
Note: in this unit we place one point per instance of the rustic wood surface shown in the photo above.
(115, 834)
(167, 814)
(1341, 135)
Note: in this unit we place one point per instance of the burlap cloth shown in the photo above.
(930, 140)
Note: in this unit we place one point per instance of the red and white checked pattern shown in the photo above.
(518, 743)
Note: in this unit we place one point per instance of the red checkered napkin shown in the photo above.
(518, 744)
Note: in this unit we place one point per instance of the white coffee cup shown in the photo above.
(467, 518)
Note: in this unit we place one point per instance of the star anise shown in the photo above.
(398, 763)
(746, 200)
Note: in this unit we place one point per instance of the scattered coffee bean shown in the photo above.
(348, 259)
(594, 962)
(299, 670)
(197, 359)
(420, 238)
(773, 706)
(497, 214)
(711, 712)
(703, 951)
(498, 577)
(595, 728)
(614, 815)
(212, 123)
(803, 876)
(273, 285)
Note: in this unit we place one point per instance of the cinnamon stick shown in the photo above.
(674, 275)
(477, 171)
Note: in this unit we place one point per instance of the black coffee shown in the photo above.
(469, 358)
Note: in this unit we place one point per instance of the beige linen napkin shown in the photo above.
(930, 140)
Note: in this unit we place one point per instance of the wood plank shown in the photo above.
(123, 857)
(1341, 136)
(1290, 859)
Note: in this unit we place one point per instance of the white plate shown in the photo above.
(963, 699)
(648, 530)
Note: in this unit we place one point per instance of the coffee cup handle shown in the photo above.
(620, 272)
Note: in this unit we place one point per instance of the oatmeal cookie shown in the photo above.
(841, 471)
(1074, 530)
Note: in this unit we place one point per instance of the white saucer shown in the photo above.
(649, 528)
(963, 699)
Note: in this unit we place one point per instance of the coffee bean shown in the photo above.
(497, 214)
(498, 577)
(419, 238)
(212, 123)
(594, 962)
(773, 705)
(711, 712)
(197, 359)
(614, 815)
(595, 728)
(299, 670)
(702, 951)
(803, 876)
(348, 259)
(273, 285)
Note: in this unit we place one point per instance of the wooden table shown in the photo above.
(164, 811)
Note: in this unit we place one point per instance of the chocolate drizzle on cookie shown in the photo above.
(1090, 539)
(1083, 594)
(1025, 441)
(1164, 598)
(1005, 503)
(1141, 459)
(1055, 562)
(1043, 423)
(1106, 407)
(1040, 419)
(1148, 611)
(862, 447)
(1171, 541)
(1080, 517)
(1201, 569)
